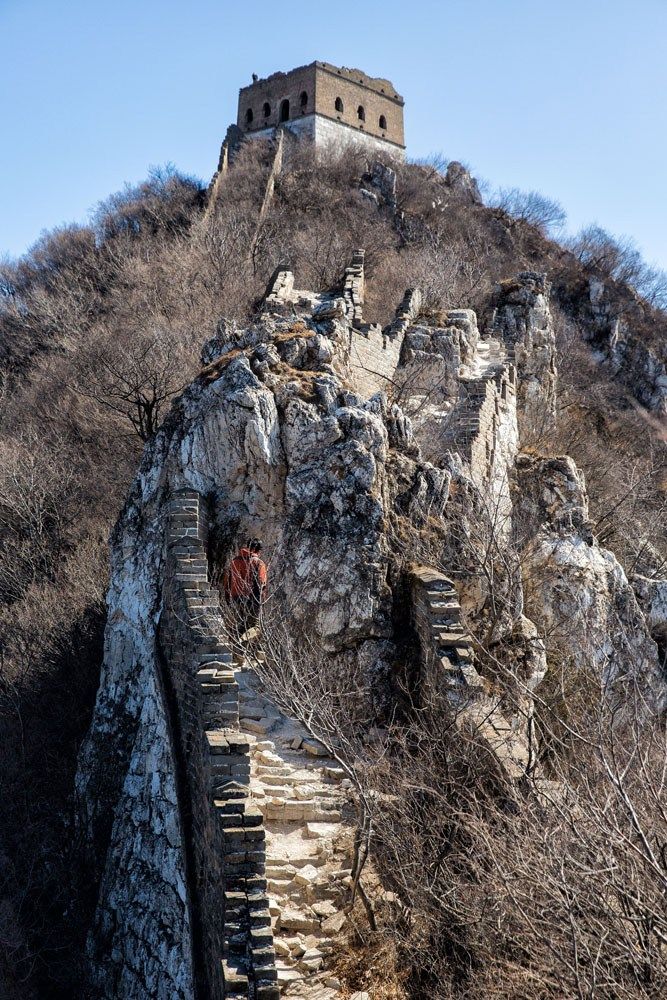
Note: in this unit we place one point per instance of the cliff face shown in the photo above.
(283, 436)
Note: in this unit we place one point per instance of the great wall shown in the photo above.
(264, 803)
(255, 815)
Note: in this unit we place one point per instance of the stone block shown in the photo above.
(334, 924)
(306, 876)
(294, 920)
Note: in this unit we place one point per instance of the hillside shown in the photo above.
(461, 492)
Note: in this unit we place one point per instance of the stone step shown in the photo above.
(236, 981)
(263, 956)
(260, 918)
(258, 726)
(284, 872)
(273, 773)
(279, 886)
(261, 937)
(222, 657)
(270, 990)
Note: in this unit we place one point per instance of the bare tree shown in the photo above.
(531, 207)
(135, 379)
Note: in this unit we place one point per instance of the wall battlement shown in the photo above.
(448, 663)
(232, 926)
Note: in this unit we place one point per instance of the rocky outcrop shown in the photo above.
(461, 181)
(652, 596)
(610, 326)
(522, 322)
(577, 592)
(310, 429)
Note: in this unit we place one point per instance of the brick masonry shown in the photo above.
(473, 429)
(338, 104)
(372, 353)
(224, 828)
(448, 663)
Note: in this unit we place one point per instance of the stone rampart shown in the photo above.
(448, 663)
(354, 287)
(232, 933)
(374, 352)
(473, 429)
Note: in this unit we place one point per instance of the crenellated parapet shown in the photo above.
(232, 937)
(447, 661)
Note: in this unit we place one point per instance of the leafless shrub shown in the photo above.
(135, 378)
(533, 208)
(620, 259)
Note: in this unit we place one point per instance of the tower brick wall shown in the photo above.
(347, 98)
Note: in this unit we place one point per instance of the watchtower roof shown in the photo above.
(377, 84)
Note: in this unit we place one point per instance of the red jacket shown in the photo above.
(246, 576)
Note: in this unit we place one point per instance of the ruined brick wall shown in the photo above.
(446, 651)
(448, 664)
(374, 358)
(374, 353)
(474, 428)
(334, 95)
(225, 837)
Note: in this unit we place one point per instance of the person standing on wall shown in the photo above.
(245, 584)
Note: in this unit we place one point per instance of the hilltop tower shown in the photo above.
(330, 105)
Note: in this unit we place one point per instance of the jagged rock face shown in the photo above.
(522, 320)
(432, 356)
(652, 597)
(576, 592)
(279, 447)
(463, 183)
(126, 786)
(636, 364)
(551, 493)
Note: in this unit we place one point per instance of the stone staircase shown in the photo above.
(277, 800)
(234, 842)
(302, 794)
(471, 427)
(448, 661)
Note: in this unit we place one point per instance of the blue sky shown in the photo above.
(565, 97)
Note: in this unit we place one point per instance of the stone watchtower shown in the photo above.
(324, 103)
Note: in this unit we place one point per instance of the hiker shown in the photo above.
(244, 582)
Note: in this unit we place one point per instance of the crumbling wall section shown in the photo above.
(231, 925)
(375, 353)
(448, 664)
(475, 426)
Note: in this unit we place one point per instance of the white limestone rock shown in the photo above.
(522, 321)
(577, 592)
(652, 597)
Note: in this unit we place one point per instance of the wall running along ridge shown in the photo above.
(288, 431)
(448, 662)
(224, 827)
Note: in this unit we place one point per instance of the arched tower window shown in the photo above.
(284, 110)
(383, 122)
(361, 114)
(266, 109)
(248, 116)
(303, 100)
(339, 105)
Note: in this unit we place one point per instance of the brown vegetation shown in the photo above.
(100, 326)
